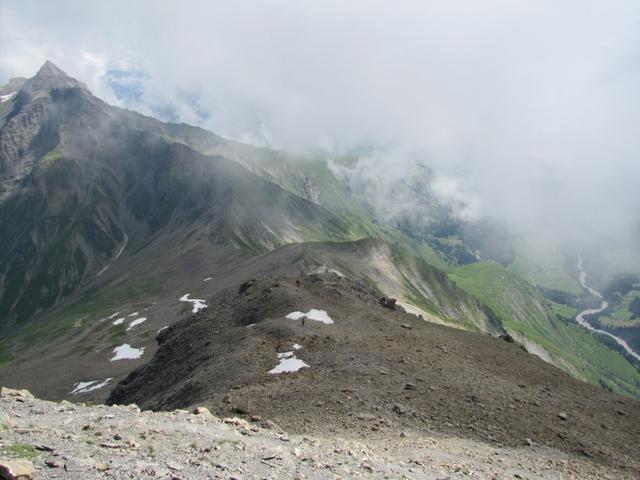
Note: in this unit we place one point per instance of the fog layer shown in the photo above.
(528, 112)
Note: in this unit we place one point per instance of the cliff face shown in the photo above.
(31, 115)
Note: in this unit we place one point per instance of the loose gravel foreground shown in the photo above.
(75, 441)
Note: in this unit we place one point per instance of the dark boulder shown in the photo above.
(389, 303)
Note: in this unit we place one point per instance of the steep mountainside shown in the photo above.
(85, 183)
(81, 336)
(526, 315)
(113, 222)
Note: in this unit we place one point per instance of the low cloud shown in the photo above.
(526, 112)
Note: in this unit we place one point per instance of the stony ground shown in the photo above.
(375, 370)
(74, 441)
(385, 395)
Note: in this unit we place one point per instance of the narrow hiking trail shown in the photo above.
(124, 244)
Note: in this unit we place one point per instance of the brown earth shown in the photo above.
(375, 372)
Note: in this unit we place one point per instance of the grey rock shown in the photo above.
(16, 470)
(131, 443)
(400, 409)
(176, 467)
(43, 448)
(389, 303)
(242, 406)
(271, 425)
(78, 464)
(180, 446)
(10, 392)
(53, 463)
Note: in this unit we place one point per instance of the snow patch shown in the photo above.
(114, 315)
(134, 314)
(198, 304)
(127, 352)
(313, 314)
(207, 279)
(118, 321)
(163, 328)
(4, 98)
(84, 387)
(288, 363)
(297, 346)
(319, 316)
(137, 321)
(295, 315)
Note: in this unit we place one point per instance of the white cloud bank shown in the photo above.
(530, 110)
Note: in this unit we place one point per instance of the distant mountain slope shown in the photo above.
(310, 177)
(85, 181)
(81, 336)
(106, 213)
(525, 314)
(419, 287)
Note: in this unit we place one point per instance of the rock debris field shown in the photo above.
(41, 439)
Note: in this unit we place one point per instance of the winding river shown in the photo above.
(590, 311)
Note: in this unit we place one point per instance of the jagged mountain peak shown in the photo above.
(50, 69)
(50, 77)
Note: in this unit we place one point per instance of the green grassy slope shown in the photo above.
(308, 177)
(524, 313)
(547, 268)
(311, 178)
(621, 315)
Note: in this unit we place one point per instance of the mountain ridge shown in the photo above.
(371, 361)
(111, 212)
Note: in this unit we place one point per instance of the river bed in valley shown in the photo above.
(580, 318)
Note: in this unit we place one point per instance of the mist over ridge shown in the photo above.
(356, 221)
(526, 114)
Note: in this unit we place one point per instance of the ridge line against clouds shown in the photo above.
(528, 109)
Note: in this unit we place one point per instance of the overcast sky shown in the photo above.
(528, 109)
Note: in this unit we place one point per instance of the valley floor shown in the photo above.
(76, 441)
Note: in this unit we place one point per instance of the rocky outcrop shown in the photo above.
(29, 123)
(389, 303)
